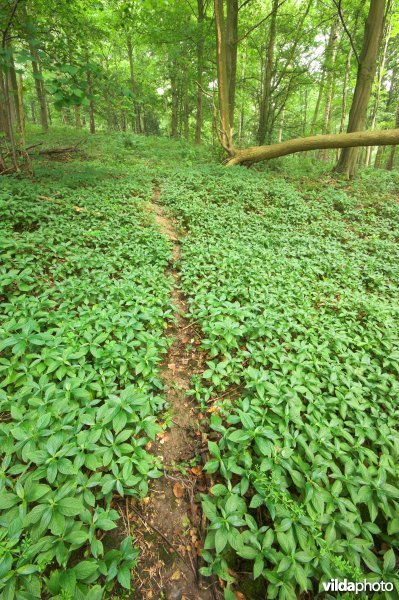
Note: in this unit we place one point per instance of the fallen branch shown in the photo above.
(389, 137)
(65, 150)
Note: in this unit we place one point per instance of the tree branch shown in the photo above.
(251, 29)
(338, 6)
(10, 20)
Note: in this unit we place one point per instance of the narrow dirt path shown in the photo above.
(169, 526)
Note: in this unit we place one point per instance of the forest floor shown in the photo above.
(200, 360)
(170, 509)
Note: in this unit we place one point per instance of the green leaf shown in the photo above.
(221, 537)
(85, 569)
(124, 577)
(389, 561)
(70, 507)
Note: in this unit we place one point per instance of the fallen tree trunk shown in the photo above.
(254, 154)
(65, 150)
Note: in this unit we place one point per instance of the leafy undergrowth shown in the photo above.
(296, 295)
(84, 306)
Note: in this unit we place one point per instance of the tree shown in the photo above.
(226, 60)
(264, 109)
(347, 163)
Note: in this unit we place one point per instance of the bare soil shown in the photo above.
(168, 525)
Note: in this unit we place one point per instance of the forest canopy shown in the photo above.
(241, 73)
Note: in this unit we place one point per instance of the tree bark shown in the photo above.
(393, 149)
(174, 132)
(40, 91)
(264, 109)
(255, 154)
(78, 121)
(380, 76)
(21, 109)
(136, 120)
(92, 124)
(5, 97)
(226, 59)
(365, 76)
(200, 67)
(330, 81)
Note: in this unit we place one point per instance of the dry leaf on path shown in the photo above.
(178, 490)
(175, 576)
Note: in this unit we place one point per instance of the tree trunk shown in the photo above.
(78, 121)
(242, 107)
(21, 109)
(330, 81)
(226, 59)
(318, 102)
(256, 154)
(92, 124)
(264, 109)
(381, 71)
(5, 97)
(200, 67)
(186, 113)
(136, 121)
(393, 149)
(33, 111)
(280, 130)
(348, 71)
(365, 76)
(174, 131)
(13, 86)
(40, 91)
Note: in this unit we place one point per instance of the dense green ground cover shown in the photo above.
(295, 291)
(297, 298)
(84, 305)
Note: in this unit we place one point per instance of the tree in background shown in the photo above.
(284, 69)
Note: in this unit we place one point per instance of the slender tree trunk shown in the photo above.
(200, 68)
(78, 121)
(33, 112)
(281, 128)
(330, 81)
(391, 158)
(92, 124)
(136, 121)
(40, 91)
(186, 112)
(347, 163)
(4, 117)
(345, 89)
(380, 76)
(5, 96)
(317, 107)
(226, 58)
(264, 112)
(132, 81)
(304, 102)
(174, 130)
(13, 86)
(21, 109)
(242, 107)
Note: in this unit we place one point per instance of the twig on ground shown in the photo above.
(163, 536)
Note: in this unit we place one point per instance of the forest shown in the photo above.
(199, 299)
